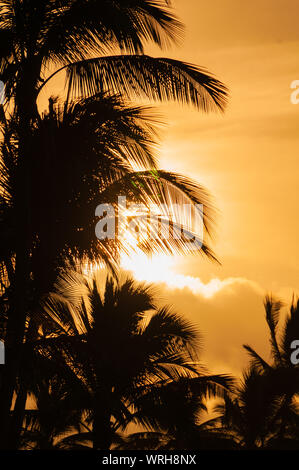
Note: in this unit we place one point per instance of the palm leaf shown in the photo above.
(124, 24)
(136, 76)
(290, 330)
(257, 360)
(272, 309)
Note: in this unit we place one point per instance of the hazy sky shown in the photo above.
(248, 159)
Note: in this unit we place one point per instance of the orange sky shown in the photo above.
(248, 158)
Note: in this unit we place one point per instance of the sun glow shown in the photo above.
(158, 268)
(161, 268)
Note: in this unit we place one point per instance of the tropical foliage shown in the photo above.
(98, 362)
(83, 146)
(106, 358)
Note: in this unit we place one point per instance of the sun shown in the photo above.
(160, 268)
(156, 268)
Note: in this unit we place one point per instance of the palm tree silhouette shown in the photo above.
(118, 359)
(255, 415)
(263, 412)
(54, 417)
(284, 373)
(280, 347)
(178, 416)
(38, 35)
(105, 139)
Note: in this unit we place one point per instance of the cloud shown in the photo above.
(230, 317)
(227, 312)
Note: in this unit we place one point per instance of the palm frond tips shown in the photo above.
(290, 331)
(257, 361)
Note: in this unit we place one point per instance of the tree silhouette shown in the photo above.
(256, 414)
(263, 412)
(40, 35)
(280, 347)
(105, 139)
(118, 359)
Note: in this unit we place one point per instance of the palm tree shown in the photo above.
(280, 347)
(285, 373)
(263, 413)
(95, 145)
(53, 418)
(254, 415)
(179, 419)
(38, 35)
(123, 359)
(106, 140)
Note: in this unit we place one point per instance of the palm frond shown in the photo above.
(272, 309)
(290, 331)
(123, 24)
(257, 360)
(174, 213)
(136, 76)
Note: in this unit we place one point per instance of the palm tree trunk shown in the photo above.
(20, 404)
(14, 336)
(21, 293)
(101, 430)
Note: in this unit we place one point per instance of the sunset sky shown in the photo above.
(248, 159)
(150, 153)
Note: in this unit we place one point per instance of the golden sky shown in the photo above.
(248, 159)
